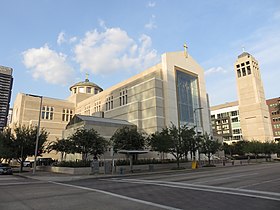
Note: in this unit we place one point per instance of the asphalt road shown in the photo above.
(239, 187)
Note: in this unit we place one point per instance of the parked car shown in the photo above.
(27, 164)
(5, 169)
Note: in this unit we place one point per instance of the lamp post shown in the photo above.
(195, 118)
(38, 131)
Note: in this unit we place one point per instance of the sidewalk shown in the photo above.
(59, 177)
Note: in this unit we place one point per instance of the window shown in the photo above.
(47, 113)
(81, 90)
(242, 64)
(88, 89)
(238, 73)
(237, 66)
(188, 98)
(123, 97)
(243, 72)
(247, 62)
(234, 113)
(67, 115)
(87, 110)
(236, 131)
(224, 121)
(225, 127)
(109, 103)
(97, 106)
(234, 119)
(248, 70)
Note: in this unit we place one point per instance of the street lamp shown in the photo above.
(195, 118)
(38, 131)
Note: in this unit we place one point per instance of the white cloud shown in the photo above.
(61, 38)
(47, 64)
(72, 39)
(215, 70)
(151, 4)
(114, 51)
(151, 24)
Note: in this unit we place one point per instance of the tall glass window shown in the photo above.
(188, 99)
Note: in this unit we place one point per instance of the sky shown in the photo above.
(51, 44)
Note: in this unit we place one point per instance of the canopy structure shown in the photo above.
(132, 152)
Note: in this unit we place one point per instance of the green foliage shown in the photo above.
(21, 143)
(87, 142)
(209, 146)
(127, 138)
(6, 145)
(64, 146)
(175, 141)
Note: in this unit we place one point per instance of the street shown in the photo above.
(255, 186)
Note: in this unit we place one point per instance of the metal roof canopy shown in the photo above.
(132, 152)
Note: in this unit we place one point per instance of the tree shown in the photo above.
(190, 142)
(6, 148)
(24, 142)
(88, 142)
(160, 141)
(127, 138)
(176, 141)
(64, 146)
(254, 147)
(209, 146)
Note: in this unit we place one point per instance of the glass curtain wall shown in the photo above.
(188, 99)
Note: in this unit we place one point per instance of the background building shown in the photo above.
(254, 115)
(6, 83)
(227, 115)
(226, 122)
(274, 116)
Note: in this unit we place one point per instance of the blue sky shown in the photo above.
(51, 44)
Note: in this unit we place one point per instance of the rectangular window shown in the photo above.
(88, 89)
(47, 113)
(67, 115)
(248, 70)
(123, 97)
(238, 73)
(243, 72)
(109, 103)
(188, 98)
(234, 119)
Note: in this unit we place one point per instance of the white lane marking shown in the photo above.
(223, 190)
(119, 196)
(224, 178)
(263, 182)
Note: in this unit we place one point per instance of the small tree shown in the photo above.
(88, 142)
(6, 145)
(160, 141)
(64, 146)
(254, 147)
(127, 138)
(209, 146)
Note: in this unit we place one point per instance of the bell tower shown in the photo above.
(254, 115)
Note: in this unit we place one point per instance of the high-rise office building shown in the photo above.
(254, 115)
(6, 82)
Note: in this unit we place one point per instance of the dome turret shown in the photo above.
(86, 87)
